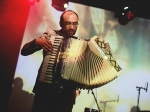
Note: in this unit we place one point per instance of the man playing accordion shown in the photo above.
(50, 95)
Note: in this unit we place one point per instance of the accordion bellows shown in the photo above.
(88, 65)
(85, 63)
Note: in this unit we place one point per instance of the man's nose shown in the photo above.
(71, 26)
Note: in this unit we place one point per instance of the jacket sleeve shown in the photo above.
(30, 48)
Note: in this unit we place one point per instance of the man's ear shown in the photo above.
(60, 23)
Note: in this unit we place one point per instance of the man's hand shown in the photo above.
(78, 92)
(45, 44)
(107, 47)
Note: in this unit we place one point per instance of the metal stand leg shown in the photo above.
(96, 101)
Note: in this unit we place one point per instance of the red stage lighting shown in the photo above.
(33, 1)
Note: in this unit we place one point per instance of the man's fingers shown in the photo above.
(48, 45)
(45, 44)
(47, 48)
(107, 47)
(103, 41)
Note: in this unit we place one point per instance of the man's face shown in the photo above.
(70, 23)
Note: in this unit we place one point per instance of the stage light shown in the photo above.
(60, 5)
(125, 15)
(65, 5)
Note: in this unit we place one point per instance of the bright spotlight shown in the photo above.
(60, 5)
(66, 5)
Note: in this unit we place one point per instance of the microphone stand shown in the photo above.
(107, 102)
(139, 89)
(95, 100)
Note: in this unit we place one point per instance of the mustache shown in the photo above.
(71, 30)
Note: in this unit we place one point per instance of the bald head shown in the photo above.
(67, 13)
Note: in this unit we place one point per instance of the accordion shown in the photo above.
(85, 63)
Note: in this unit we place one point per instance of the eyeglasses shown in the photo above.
(71, 23)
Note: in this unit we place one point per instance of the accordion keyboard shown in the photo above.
(50, 61)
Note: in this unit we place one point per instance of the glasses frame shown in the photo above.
(71, 23)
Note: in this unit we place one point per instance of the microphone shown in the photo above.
(138, 88)
(146, 86)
